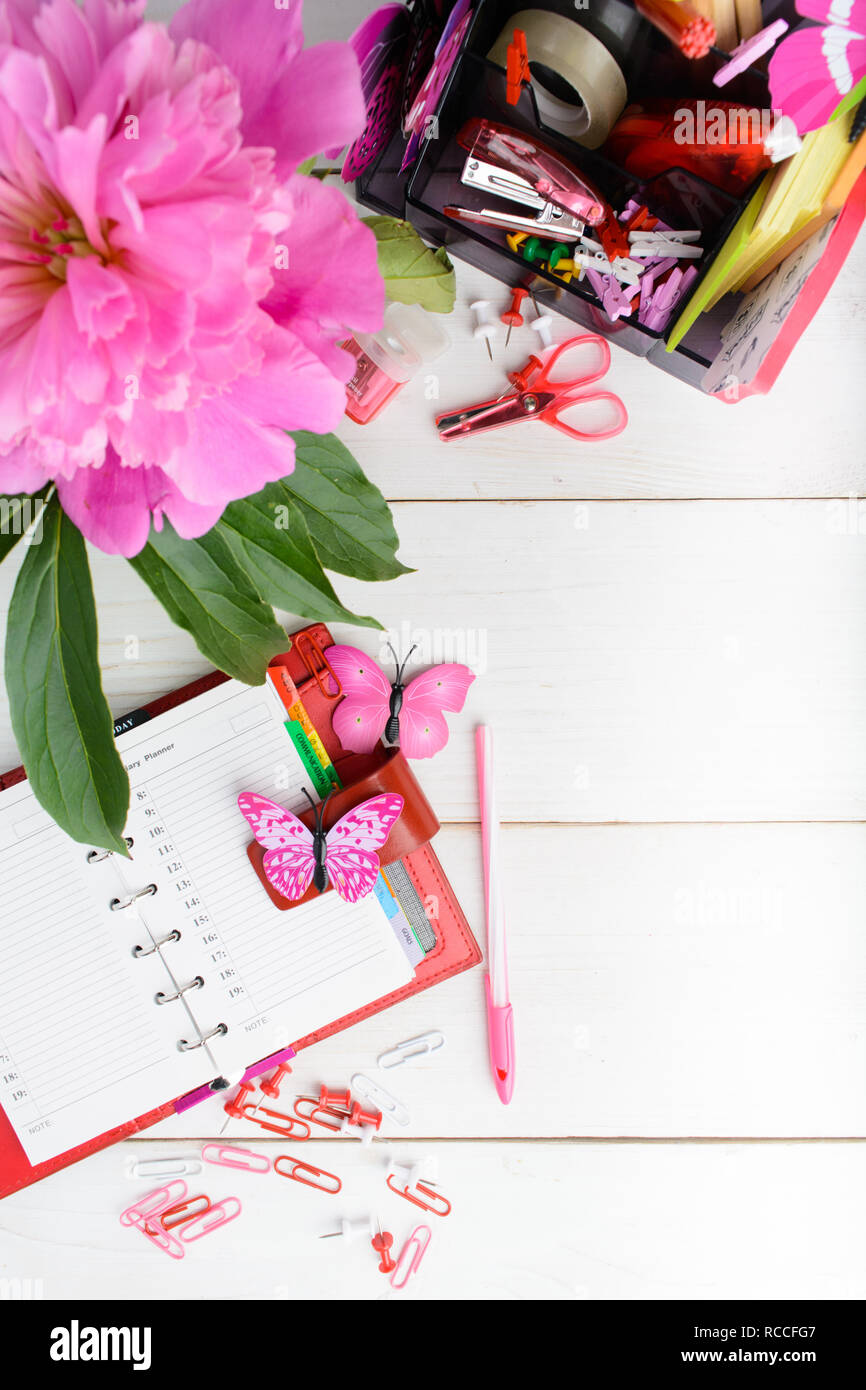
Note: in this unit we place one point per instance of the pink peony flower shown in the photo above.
(170, 290)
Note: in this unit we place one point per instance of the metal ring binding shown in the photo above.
(118, 904)
(96, 856)
(220, 1031)
(139, 951)
(162, 998)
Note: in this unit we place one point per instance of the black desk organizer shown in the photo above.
(476, 87)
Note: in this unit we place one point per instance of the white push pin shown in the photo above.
(352, 1230)
(543, 326)
(363, 1132)
(485, 324)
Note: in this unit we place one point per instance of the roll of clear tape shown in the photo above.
(579, 87)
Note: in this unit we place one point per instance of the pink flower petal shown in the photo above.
(101, 301)
(306, 295)
(21, 472)
(298, 102)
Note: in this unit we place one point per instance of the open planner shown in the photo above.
(125, 983)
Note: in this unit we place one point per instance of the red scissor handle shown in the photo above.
(564, 402)
(537, 371)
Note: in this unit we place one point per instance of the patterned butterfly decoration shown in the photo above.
(381, 47)
(814, 70)
(345, 855)
(408, 715)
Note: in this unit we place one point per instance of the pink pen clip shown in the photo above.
(500, 1039)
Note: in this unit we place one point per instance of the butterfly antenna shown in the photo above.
(405, 663)
(396, 660)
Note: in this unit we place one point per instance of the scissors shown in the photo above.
(541, 394)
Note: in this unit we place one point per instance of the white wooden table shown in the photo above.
(670, 633)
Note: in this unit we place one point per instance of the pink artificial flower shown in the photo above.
(170, 291)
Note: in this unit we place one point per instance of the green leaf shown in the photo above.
(269, 537)
(59, 713)
(413, 274)
(17, 513)
(307, 166)
(348, 519)
(204, 590)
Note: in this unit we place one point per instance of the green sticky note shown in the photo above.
(323, 779)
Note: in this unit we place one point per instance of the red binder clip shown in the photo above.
(516, 67)
(299, 1166)
(442, 1209)
(289, 1128)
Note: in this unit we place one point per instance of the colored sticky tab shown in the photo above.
(317, 774)
(387, 901)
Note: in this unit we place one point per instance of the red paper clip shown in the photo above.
(442, 1210)
(299, 1165)
(317, 671)
(310, 1116)
(290, 1129)
(183, 1211)
(211, 1220)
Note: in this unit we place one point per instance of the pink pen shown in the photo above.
(500, 1017)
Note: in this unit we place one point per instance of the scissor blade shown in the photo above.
(491, 415)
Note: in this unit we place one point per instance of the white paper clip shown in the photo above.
(411, 1256)
(646, 245)
(412, 1048)
(179, 1167)
(227, 1156)
(390, 1106)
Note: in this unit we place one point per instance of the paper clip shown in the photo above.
(299, 1165)
(165, 1167)
(411, 1256)
(309, 1117)
(183, 1211)
(229, 1157)
(220, 1214)
(164, 1240)
(442, 1210)
(407, 1051)
(382, 1099)
(290, 1129)
(317, 672)
(152, 1203)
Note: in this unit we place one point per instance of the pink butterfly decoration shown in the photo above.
(410, 715)
(813, 69)
(345, 854)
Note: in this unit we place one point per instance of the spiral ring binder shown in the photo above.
(119, 904)
(96, 856)
(162, 998)
(139, 951)
(218, 1032)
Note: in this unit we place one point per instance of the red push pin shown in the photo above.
(335, 1100)
(357, 1116)
(272, 1086)
(512, 315)
(382, 1244)
(235, 1108)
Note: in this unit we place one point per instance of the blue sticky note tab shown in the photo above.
(387, 902)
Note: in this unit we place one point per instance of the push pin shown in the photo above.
(235, 1108)
(382, 1244)
(352, 1230)
(335, 1100)
(543, 326)
(512, 315)
(272, 1086)
(485, 327)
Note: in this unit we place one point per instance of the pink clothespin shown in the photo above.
(749, 51)
(616, 299)
(666, 297)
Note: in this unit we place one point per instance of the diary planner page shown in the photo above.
(268, 976)
(82, 1049)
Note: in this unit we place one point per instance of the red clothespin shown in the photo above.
(271, 1087)
(382, 1243)
(516, 67)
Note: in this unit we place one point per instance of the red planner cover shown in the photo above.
(456, 947)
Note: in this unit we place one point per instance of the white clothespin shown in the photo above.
(659, 244)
